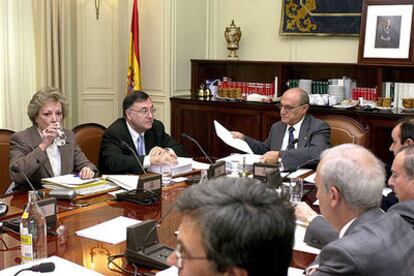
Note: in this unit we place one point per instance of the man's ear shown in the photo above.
(335, 196)
(409, 142)
(236, 271)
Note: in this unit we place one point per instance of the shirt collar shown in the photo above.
(345, 227)
(133, 132)
(297, 125)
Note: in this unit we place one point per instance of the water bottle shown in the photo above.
(33, 231)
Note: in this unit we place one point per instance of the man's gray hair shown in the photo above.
(356, 173)
(242, 224)
(408, 160)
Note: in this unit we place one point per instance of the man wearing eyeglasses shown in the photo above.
(233, 226)
(144, 134)
(297, 138)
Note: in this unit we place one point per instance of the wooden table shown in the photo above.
(93, 254)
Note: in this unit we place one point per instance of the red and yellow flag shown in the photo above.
(134, 69)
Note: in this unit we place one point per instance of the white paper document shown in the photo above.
(62, 267)
(227, 138)
(300, 245)
(250, 158)
(310, 178)
(296, 174)
(69, 180)
(111, 231)
(173, 271)
(184, 165)
(127, 182)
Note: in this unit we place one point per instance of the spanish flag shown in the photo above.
(134, 68)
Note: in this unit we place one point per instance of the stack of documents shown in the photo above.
(184, 166)
(127, 182)
(81, 186)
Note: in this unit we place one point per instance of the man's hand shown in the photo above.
(156, 151)
(270, 157)
(304, 212)
(163, 158)
(237, 135)
(86, 173)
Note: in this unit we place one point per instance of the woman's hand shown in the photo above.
(48, 135)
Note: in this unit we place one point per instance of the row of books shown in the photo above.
(248, 88)
(368, 94)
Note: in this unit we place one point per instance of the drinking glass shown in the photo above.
(285, 191)
(296, 191)
(60, 138)
(166, 174)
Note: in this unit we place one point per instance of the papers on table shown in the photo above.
(250, 158)
(296, 174)
(310, 178)
(70, 181)
(200, 166)
(184, 166)
(227, 138)
(300, 245)
(127, 182)
(111, 231)
(173, 271)
(62, 267)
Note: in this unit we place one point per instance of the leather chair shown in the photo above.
(346, 130)
(4, 159)
(89, 136)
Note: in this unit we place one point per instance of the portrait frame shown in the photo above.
(386, 35)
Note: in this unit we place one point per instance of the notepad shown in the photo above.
(112, 231)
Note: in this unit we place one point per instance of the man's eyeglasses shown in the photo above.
(179, 257)
(145, 111)
(288, 108)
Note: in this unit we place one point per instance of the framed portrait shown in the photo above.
(386, 32)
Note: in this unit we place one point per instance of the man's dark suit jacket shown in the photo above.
(375, 244)
(31, 160)
(314, 137)
(115, 159)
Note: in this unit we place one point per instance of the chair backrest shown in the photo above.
(4, 159)
(89, 136)
(346, 130)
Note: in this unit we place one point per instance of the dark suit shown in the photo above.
(314, 137)
(375, 244)
(115, 159)
(26, 155)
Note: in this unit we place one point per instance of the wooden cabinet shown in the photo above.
(195, 117)
(265, 71)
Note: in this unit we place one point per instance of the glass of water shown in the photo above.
(296, 191)
(166, 174)
(60, 138)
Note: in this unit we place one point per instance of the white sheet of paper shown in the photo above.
(310, 178)
(296, 174)
(227, 138)
(300, 245)
(200, 166)
(173, 271)
(62, 267)
(316, 202)
(69, 179)
(111, 231)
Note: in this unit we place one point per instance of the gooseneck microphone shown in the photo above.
(42, 268)
(186, 136)
(16, 169)
(156, 225)
(300, 166)
(125, 144)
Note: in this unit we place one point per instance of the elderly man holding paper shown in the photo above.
(298, 138)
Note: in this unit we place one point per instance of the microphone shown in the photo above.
(294, 169)
(42, 268)
(16, 169)
(156, 225)
(186, 136)
(125, 144)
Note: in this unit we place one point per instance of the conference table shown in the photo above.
(93, 254)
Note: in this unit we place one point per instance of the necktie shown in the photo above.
(140, 145)
(291, 143)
